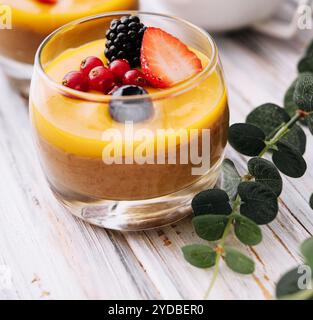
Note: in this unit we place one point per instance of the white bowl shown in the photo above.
(216, 15)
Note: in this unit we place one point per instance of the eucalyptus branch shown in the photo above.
(245, 202)
(278, 134)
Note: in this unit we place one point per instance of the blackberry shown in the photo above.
(124, 39)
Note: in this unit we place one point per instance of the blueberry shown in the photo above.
(131, 110)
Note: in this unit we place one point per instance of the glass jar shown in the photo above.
(132, 175)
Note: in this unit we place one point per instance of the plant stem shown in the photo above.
(281, 132)
(221, 246)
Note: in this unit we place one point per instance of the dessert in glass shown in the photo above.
(131, 125)
(32, 20)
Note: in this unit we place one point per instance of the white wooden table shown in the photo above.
(52, 255)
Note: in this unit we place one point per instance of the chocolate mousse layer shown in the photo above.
(19, 44)
(81, 178)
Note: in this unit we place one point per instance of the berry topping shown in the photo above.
(124, 39)
(119, 68)
(131, 110)
(165, 60)
(101, 79)
(76, 80)
(90, 63)
(134, 77)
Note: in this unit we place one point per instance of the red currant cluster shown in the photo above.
(93, 75)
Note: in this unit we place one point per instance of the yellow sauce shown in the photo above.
(43, 18)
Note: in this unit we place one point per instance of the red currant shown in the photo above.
(119, 68)
(101, 79)
(90, 63)
(76, 80)
(134, 77)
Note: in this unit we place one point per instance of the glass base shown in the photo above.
(139, 215)
(18, 73)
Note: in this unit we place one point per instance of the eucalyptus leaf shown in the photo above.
(268, 117)
(259, 202)
(289, 161)
(247, 139)
(230, 178)
(289, 104)
(307, 252)
(296, 138)
(266, 173)
(210, 227)
(213, 201)
(288, 284)
(306, 64)
(247, 231)
(303, 95)
(239, 262)
(200, 256)
(311, 202)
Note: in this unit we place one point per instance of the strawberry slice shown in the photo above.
(165, 60)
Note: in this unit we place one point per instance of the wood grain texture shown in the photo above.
(53, 255)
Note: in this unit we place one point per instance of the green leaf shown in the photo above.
(289, 161)
(247, 231)
(213, 201)
(311, 201)
(266, 173)
(238, 262)
(210, 227)
(289, 104)
(307, 252)
(268, 117)
(306, 64)
(296, 138)
(259, 202)
(303, 95)
(230, 178)
(310, 122)
(288, 284)
(247, 139)
(200, 256)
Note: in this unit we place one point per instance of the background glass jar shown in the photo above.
(31, 21)
(70, 126)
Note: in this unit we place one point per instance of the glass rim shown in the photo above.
(164, 93)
